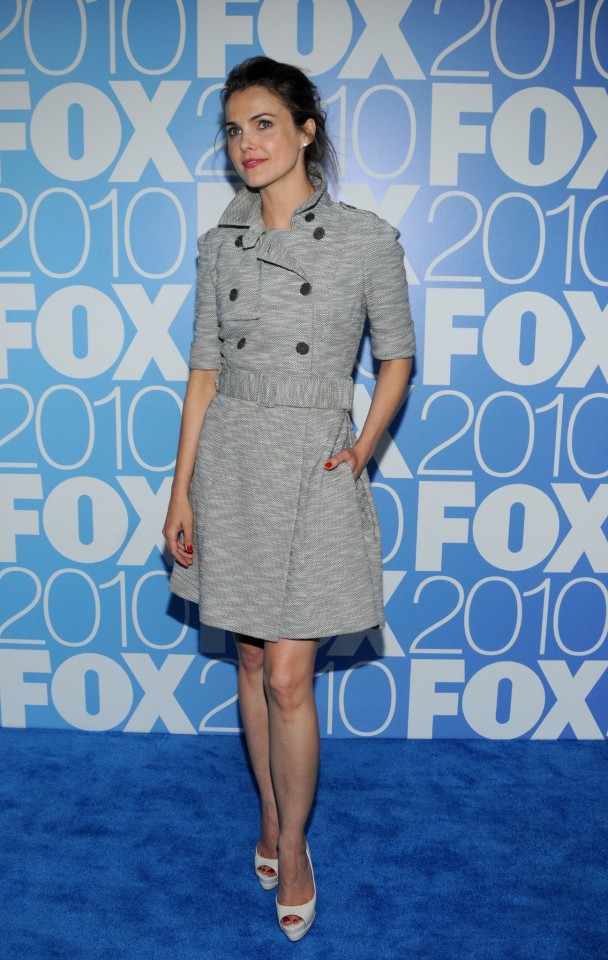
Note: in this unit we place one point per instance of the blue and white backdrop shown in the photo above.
(480, 129)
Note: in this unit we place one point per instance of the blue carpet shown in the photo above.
(128, 846)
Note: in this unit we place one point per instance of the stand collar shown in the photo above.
(245, 210)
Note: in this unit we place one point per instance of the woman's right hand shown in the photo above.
(199, 394)
(177, 530)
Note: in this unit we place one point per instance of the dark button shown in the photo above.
(319, 233)
(233, 293)
(309, 217)
(239, 241)
(241, 343)
(302, 348)
(305, 289)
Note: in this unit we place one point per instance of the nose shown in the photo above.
(246, 141)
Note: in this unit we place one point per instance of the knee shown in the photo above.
(251, 658)
(285, 689)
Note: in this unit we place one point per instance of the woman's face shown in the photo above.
(264, 144)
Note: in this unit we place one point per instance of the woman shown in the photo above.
(271, 518)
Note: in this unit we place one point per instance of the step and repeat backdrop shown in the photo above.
(480, 129)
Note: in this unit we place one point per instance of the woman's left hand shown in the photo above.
(353, 457)
(388, 394)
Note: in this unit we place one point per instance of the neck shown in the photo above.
(279, 201)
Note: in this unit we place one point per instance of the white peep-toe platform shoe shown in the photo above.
(307, 912)
(266, 882)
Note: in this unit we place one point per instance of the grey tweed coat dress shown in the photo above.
(282, 546)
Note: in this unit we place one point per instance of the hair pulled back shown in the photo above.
(296, 92)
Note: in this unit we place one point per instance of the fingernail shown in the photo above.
(189, 548)
(328, 465)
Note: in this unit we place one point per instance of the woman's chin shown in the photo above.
(255, 177)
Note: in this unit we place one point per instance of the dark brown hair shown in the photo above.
(296, 92)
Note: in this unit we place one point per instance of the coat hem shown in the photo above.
(263, 633)
(190, 595)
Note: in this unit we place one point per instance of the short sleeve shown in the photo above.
(205, 349)
(386, 295)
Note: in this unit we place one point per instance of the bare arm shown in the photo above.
(390, 387)
(199, 393)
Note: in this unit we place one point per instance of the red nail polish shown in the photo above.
(328, 465)
(189, 548)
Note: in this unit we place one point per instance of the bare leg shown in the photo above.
(294, 758)
(254, 714)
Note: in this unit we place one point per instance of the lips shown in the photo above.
(253, 162)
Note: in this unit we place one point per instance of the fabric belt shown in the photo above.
(272, 390)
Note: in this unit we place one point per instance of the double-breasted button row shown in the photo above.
(301, 348)
(305, 289)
